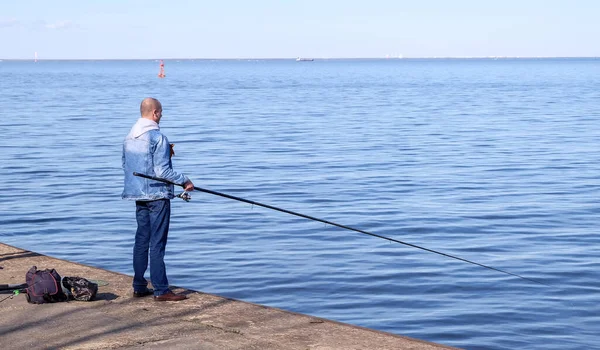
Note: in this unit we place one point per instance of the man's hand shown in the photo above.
(188, 186)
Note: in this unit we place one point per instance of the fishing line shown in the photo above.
(199, 189)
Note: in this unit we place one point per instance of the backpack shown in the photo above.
(79, 288)
(44, 286)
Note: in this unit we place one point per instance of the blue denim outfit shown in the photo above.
(147, 151)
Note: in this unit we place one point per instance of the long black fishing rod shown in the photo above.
(13, 290)
(13, 286)
(334, 224)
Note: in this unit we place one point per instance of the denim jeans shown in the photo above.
(153, 227)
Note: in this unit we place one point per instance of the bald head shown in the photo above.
(150, 108)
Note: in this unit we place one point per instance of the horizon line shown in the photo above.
(294, 58)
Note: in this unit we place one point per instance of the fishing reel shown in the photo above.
(185, 195)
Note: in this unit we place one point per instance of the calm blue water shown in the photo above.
(495, 161)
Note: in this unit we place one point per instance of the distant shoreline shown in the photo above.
(314, 58)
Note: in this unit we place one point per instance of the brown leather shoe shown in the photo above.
(170, 296)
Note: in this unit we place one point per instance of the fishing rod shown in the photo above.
(13, 286)
(199, 189)
(13, 290)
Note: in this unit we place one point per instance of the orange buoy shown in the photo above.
(161, 73)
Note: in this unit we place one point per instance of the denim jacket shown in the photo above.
(147, 151)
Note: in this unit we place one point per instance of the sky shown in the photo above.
(151, 29)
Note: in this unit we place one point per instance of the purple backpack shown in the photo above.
(44, 286)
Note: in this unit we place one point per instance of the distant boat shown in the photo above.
(302, 59)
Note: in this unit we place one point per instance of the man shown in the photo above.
(146, 150)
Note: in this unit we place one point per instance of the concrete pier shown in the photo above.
(116, 320)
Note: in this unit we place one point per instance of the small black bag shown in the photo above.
(79, 288)
(44, 286)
